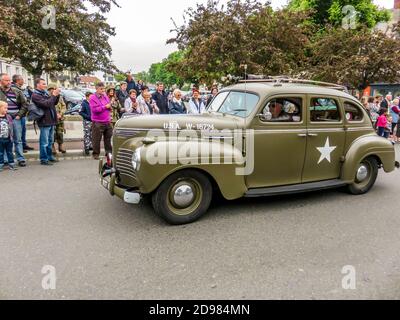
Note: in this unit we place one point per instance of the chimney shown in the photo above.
(396, 4)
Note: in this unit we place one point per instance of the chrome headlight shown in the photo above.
(136, 159)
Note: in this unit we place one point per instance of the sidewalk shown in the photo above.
(73, 142)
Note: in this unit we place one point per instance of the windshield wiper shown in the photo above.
(239, 110)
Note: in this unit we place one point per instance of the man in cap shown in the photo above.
(59, 131)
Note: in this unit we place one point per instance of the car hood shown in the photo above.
(202, 122)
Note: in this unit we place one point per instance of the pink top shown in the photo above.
(98, 107)
(382, 121)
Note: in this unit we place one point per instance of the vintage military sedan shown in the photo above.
(259, 138)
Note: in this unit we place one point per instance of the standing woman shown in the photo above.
(196, 104)
(176, 105)
(395, 112)
(86, 115)
(148, 105)
(373, 106)
(131, 103)
(115, 105)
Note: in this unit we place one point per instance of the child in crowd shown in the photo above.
(6, 137)
(389, 125)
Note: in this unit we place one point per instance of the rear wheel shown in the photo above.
(365, 176)
(183, 197)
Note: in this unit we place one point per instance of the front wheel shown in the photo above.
(365, 177)
(183, 197)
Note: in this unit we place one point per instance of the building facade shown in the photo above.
(13, 67)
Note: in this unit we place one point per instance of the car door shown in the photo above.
(280, 136)
(325, 139)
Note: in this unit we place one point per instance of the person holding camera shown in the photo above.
(101, 109)
(43, 100)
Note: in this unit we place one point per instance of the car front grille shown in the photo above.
(124, 163)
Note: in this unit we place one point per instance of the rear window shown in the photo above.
(353, 112)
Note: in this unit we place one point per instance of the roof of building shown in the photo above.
(89, 79)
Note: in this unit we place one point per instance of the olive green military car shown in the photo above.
(258, 138)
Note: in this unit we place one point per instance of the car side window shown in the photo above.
(353, 112)
(324, 110)
(283, 110)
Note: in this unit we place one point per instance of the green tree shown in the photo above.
(355, 58)
(331, 11)
(218, 41)
(78, 42)
(165, 71)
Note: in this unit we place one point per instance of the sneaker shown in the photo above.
(13, 168)
(54, 160)
(46, 163)
(28, 148)
(22, 163)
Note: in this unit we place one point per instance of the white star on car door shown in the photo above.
(326, 152)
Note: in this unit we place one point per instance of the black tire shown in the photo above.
(362, 187)
(165, 197)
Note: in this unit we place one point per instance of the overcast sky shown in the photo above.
(143, 27)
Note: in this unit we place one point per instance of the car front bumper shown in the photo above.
(108, 181)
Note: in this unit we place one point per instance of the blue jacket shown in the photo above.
(85, 112)
(176, 108)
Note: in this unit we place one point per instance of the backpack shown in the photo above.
(34, 112)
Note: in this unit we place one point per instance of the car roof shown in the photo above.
(265, 88)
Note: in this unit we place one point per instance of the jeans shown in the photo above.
(6, 147)
(19, 150)
(23, 138)
(46, 141)
(383, 133)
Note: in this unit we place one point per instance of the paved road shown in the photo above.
(280, 248)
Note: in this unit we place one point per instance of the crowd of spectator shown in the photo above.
(101, 110)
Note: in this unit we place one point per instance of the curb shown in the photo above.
(70, 155)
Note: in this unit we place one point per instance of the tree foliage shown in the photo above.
(331, 11)
(218, 40)
(165, 71)
(355, 58)
(79, 41)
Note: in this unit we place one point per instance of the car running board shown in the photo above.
(295, 188)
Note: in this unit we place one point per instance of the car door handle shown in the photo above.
(313, 135)
(303, 135)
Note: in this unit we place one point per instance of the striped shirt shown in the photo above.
(13, 108)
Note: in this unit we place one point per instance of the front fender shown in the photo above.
(163, 158)
(364, 147)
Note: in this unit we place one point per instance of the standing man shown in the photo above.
(43, 100)
(61, 109)
(161, 98)
(131, 84)
(100, 108)
(18, 83)
(385, 104)
(122, 93)
(214, 92)
(17, 109)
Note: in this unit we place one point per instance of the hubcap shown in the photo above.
(362, 173)
(183, 196)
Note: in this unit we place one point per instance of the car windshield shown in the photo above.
(73, 94)
(235, 103)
